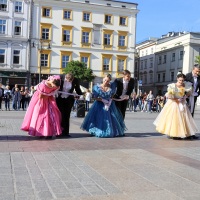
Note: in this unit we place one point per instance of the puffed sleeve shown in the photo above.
(95, 91)
(170, 91)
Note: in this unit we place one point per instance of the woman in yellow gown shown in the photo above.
(175, 119)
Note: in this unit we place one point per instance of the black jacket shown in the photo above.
(119, 87)
(75, 85)
(189, 78)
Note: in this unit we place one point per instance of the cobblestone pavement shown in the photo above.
(144, 165)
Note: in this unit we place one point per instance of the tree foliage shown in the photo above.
(197, 59)
(79, 70)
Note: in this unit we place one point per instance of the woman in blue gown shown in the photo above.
(103, 118)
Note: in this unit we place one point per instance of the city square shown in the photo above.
(142, 165)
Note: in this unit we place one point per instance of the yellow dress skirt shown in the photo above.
(175, 119)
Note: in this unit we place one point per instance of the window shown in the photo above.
(85, 58)
(122, 40)
(107, 38)
(86, 16)
(46, 31)
(66, 35)
(2, 55)
(173, 57)
(145, 78)
(16, 57)
(17, 27)
(2, 26)
(151, 62)
(106, 59)
(145, 64)
(85, 37)
(141, 65)
(46, 12)
(65, 60)
(108, 19)
(159, 60)
(106, 62)
(123, 21)
(158, 77)
(163, 78)
(44, 60)
(67, 14)
(151, 78)
(164, 59)
(172, 76)
(18, 6)
(181, 55)
(3, 5)
(121, 63)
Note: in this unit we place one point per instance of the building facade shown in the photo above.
(14, 41)
(100, 33)
(174, 52)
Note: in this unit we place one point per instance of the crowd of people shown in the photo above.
(49, 105)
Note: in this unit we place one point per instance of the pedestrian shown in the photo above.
(43, 117)
(17, 99)
(7, 97)
(88, 96)
(175, 119)
(13, 101)
(65, 100)
(150, 98)
(103, 118)
(194, 78)
(124, 87)
(1, 95)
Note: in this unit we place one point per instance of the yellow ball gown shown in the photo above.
(175, 119)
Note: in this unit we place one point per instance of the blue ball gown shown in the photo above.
(101, 122)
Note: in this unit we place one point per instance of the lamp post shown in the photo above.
(40, 46)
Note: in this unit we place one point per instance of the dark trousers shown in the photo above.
(65, 106)
(121, 105)
(195, 99)
(1, 102)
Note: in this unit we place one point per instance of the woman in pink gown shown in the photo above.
(43, 117)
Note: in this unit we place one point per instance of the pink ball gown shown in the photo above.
(43, 117)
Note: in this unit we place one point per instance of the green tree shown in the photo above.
(79, 70)
(197, 59)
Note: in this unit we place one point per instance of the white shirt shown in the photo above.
(125, 87)
(88, 96)
(66, 88)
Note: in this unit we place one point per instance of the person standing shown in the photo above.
(124, 87)
(13, 93)
(103, 118)
(43, 117)
(65, 102)
(88, 97)
(175, 119)
(1, 95)
(194, 78)
(7, 97)
(150, 98)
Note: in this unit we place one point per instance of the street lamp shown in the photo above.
(40, 46)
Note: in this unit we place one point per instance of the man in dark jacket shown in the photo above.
(65, 102)
(194, 78)
(1, 95)
(124, 86)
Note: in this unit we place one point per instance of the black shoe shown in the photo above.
(48, 137)
(194, 137)
(176, 138)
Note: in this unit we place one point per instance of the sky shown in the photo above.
(158, 17)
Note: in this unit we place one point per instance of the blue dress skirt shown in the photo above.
(101, 122)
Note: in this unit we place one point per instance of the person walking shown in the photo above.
(7, 97)
(1, 95)
(88, 97)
